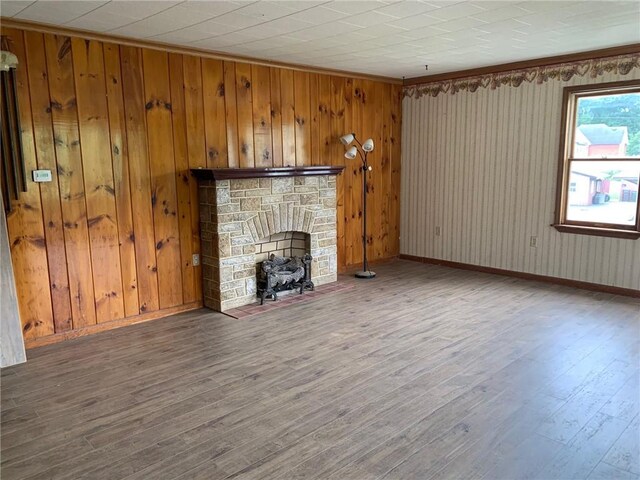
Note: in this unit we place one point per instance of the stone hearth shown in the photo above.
(238, 213)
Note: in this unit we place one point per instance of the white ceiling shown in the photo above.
(385, 37)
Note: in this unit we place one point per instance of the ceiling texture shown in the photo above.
(386, 37)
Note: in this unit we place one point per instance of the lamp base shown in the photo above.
(365, 274)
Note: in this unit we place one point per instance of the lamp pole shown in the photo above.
(351, 153)
(365, 273)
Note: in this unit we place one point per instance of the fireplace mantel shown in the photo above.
(233, 173)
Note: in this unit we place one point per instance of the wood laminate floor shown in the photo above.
(423, 373)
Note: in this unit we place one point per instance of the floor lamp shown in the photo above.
(351, 153)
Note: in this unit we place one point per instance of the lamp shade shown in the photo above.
(351, 153)
(7, 61)
(347, 139)
(367, 146)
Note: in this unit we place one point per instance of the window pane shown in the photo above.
(608, 126)
(603, 192)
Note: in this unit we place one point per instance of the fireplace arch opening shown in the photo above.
(284, 244)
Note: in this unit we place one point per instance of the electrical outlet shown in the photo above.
(533, 242)
(195, 260)
(437, 231)
(41, 176)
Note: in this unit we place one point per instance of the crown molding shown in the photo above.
(6, 22)
(524, 64)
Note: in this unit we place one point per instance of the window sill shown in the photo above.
(600, 232)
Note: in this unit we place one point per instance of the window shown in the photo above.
(599, 170)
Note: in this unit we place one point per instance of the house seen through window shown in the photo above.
(600, 164)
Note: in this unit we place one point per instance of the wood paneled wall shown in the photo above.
(479, 180)
(112, 236)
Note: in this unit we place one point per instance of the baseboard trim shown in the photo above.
(595, 287)
(352, 267)
(103, 327)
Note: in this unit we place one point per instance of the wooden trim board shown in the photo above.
(596, 287)
(101, 327)
(234, 173)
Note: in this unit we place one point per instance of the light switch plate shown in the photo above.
(41, 176)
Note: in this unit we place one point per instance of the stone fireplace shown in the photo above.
(246, 213)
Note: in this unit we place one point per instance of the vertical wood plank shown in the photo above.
(395, 158)
(367, 129)
(339, 112)
(195, 239)
(244, 102)
(385, 181)
(276, 116)
(162, 166)
(261, 95)
(375, 113)
(366, 111)
(325, 138)
(120, 161)
(302, 118)
(70, 178)
(214, 113)
(133, 90)
(91, 95)
(194, 112)
(231, 111)
(353, 201)
(314, 114)
(287, 101)
(183, 176)
(196, 148)
(49, 192)
(24, 223)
